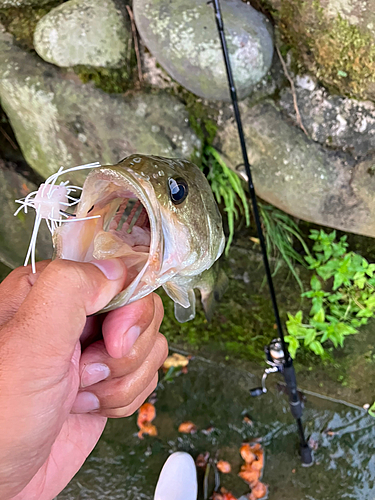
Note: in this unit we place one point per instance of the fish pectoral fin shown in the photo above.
(184, 301)
(184, 314)
(177, 293)
(212, 286)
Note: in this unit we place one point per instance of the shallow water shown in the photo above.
(124, 467)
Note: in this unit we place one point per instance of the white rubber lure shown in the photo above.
(178, 478)
(50, 202)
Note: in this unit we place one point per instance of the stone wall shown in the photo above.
(77, 89)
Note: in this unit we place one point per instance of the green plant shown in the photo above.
(280, 231)
(227, 188)
(342, 296)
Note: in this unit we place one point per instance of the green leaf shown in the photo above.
(338, 281)
(317, 347)
(360, 282)
(371, 410)
(317, 305)
(319, 316)
(310, 336)
(370, 302)
(315, 283)
(335, 297)
(365, 313)
(344, 329)
(293, 345)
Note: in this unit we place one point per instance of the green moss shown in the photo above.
(21, 22)
(341, 55)
(113, 81)
(242, 324)
(202, 119)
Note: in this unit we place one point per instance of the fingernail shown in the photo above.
(85, 402)
(129, 338)
(113, 269)
(94, 373)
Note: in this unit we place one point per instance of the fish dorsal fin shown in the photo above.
(184, 301)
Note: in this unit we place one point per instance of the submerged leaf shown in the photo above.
(258, 491)
(176, 361)
(224, 467)
(187, 428)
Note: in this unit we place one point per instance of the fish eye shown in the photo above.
(178, 190)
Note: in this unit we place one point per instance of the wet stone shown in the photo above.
(331, 120)
(183, 37)
(84, 32)
(300, 176)
(58, 121)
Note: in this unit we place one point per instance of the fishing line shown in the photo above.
(277, 353)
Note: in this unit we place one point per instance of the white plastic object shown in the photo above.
(50, 202)
(178, 478)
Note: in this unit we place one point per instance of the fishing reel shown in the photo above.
(276, 359)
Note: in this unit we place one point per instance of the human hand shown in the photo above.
(55, 396)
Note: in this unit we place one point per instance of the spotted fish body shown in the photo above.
(174, 242)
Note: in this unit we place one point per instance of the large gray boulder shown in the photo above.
(300, 176)
(15, 232)
(59, 121)
(183, 37)
(88, 32)
(22, 3)
(333, 121)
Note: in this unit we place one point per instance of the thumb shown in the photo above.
(66, 292)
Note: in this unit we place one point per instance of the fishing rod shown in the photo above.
(277, 354)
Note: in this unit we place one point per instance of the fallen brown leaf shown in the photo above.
(259, 490)
(149, 429)
(247, 420)
(249, 475)
(255, 240)
(223, 495)
(247, 454)
(187, 428)
(146, 413)
(208, 431)
(259, 462)
(224, 467)
(176, 360)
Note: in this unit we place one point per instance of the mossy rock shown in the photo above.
(59, 121)
(21, 21)
(334, 45)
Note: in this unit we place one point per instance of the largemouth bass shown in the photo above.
(160, 216)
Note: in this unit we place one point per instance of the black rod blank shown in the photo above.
(289, 373)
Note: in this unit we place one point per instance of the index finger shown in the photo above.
(15, 288)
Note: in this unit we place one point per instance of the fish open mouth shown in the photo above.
(126, 226)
